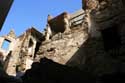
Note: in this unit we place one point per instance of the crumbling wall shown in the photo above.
(83, 45)
(60, 23)
(99, 15)
(11, 55)
(63, 46)
(27, 51)
(13, 60)
(108, 16)
(20, 53)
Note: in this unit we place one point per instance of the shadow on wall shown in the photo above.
(89, 54)
(92, 57)
(100, 55)
(48, 71)
(89, 64)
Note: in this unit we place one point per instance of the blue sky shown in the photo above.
(27, 13)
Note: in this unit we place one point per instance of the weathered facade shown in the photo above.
(97, 43)
(63, 44)
(19, 57)
(22, 48)
(106, 18)
(91, 39)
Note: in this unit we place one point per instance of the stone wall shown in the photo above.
(106, 15)
(61, 46)
(21, 50)
(84, 45)
(86, 48)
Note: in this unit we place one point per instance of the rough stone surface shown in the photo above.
(63, 46)
(102, 15)
(96, 46)
(87, 47)
(22, 50)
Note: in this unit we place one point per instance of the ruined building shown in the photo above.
(92, 38)
(22, 48)
(96, 44)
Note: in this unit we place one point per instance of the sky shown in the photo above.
(25, 14)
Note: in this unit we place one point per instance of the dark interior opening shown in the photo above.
(111, 38)
(5, 44)
(37, 48)
(30, 43)
(123, 2)
(51, 49)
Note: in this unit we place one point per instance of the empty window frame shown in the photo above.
(5, 44)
